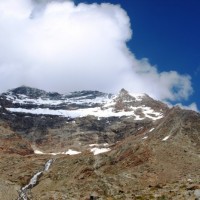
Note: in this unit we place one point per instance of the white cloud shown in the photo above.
(192, 106)
(63, 47)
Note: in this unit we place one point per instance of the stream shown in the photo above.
(33, 181)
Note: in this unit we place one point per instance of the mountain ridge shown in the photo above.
(120, 146)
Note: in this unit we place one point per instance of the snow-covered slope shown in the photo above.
(80, 104)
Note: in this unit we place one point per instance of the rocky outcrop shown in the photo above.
(12, 143)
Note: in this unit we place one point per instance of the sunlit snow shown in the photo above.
(166, 138)
(151, 130)
(104, 107)
(38, 152)
(68, 152)
(72, 152)
(144, 138)
(23, 99)
(98, 112)
(97, 151)
(97, 145)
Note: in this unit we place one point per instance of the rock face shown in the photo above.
(13, 143)
(124, 146)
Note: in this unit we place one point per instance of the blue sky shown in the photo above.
(168, 34)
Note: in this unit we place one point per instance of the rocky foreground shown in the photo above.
(103, 146)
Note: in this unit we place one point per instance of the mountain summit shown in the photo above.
(82, 103)
(96, 145)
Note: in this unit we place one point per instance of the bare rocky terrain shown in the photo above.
(103, 146)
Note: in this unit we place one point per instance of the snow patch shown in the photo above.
(97, 145)
(72, 152)
(151, 130)
(93, 145)
(68, 152)
(137, 96)
(98, 112)
(23, 99)
(144, 138)
(104, 110)
(97, 151)
(166, 138)
(38, 152)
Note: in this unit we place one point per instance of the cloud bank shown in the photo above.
(192, 106)
(64, 47)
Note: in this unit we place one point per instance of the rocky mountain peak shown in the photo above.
(123, 92)
(124, 95)
(78, 104)
(86, 94)
(28, 91)
(125, 146)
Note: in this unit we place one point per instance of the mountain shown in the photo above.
(99, 146)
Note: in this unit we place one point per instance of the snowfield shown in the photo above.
(101, 106)
(97, 112)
